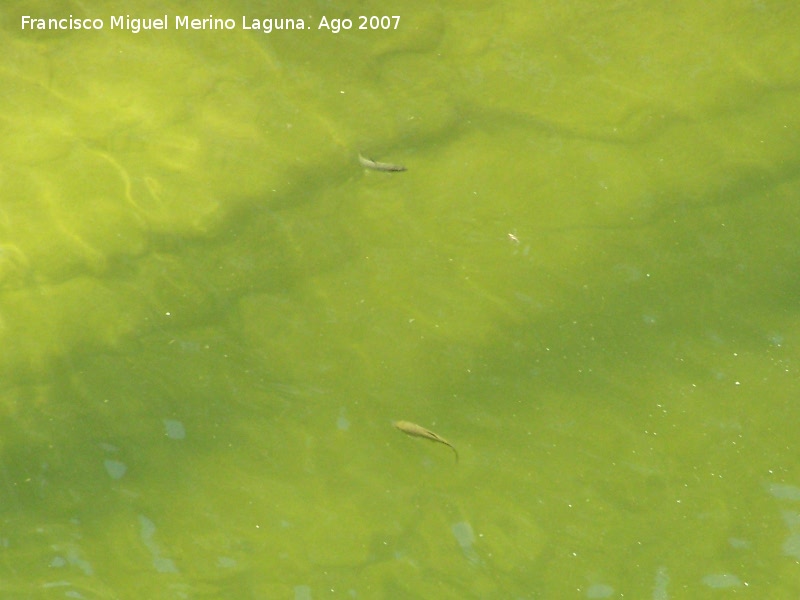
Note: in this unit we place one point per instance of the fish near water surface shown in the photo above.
(415, 430)
(379, 166)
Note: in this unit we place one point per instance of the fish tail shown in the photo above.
(453, 448)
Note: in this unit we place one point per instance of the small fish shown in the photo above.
(418, 431)
(378, 166)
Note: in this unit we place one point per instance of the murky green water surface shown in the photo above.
(210, 314)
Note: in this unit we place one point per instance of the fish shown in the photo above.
(379, 166)
(415, 430)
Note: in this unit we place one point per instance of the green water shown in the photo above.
(210, 314)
